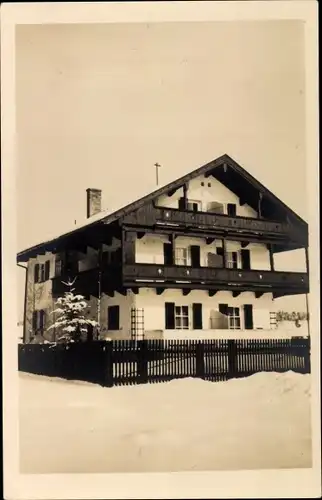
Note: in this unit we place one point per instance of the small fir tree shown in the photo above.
(71, 321)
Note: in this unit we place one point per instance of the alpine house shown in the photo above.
(190, 260)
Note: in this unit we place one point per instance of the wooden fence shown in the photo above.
(149, 361)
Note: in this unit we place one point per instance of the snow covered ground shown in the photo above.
(262, 421)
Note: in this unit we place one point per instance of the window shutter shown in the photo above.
(234, 257)
(169, 316)
(231, 209)
(36, 275)
(197, 316)
(223, 309)
(113, 318)
(34, 321)
(47, 270)
(248, 316)
(181, 204)
(42, 318)
(195, 255)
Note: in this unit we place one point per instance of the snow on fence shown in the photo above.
(145, 361)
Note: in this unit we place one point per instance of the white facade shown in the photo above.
(206, 191)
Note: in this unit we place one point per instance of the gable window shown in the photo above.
(233, 314)
(215, 207)
(194, 206)
(113, 318)
(38, 321)
(42, 272)
(232, 260)
(181, 317)
(181, 256)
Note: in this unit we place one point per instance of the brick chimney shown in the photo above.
(94, 201)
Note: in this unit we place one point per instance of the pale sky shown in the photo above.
(98, 105)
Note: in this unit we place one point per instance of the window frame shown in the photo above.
(230, 260)
(234, 317)
(185, 259)
(43, 274)
(181, 316)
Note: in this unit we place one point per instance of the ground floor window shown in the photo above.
(233, 314)
(181, 317)
(113, 318)
(39, 321)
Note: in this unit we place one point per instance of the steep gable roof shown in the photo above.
(224, 169)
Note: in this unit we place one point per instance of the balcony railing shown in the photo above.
(151, 216)
(223, 278)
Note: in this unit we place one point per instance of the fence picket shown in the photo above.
(131, 362)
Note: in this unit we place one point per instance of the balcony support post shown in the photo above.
(99, 289)
(260, 197)
(172, 238)
(185, 189)
(224, 257)
(307, 260)
(271, 257)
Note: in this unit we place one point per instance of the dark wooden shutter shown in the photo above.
(231, 209)
(169, 316)
(245, 258)
(168, 254)
(182, 204)
(195, 255)
(34, 321)
(47, 270)
(113, 318)
(36, 275)
(223, 309)
(42, 320)
(248, 316)
(197, 316)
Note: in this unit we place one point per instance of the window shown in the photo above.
(42, 272)
(232, 260)
(215, 207)
(233, 314)
(231, 209)
(181, 256)
(193, 205)
(113, 318)
(181, 317)
(38, 321)
(58, 266)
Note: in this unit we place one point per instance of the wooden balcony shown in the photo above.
(151, 216)
(214, 278)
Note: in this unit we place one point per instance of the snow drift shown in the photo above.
(262, 421)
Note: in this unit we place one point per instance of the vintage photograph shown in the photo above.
(165, 305)
(163, 247)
